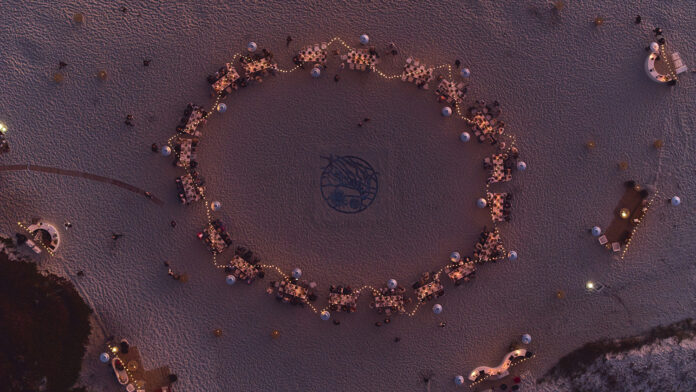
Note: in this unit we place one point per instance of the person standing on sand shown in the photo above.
(115, 236)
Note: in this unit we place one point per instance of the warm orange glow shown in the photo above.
(625, 213)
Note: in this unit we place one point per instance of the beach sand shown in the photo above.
(561, 81)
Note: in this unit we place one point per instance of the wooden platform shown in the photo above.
(621, 229)
(149, 380)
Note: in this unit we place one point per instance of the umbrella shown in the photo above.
(447, 111)
(654, 47)
(104, 357)
(222, 108)
(437, 309)
(455, 256)
(166, 150)
(521, 166)
(325, 315)
(316, 72)
(296, 273)
(230, 279)
(526, 338)
(675, 200)
(364, 39)
(512, 255)
(459, 380)
(216, 205)
(465, 137)
(596, 231)
(481, 203)
(466, 72)
(392, 284)
(251, 46)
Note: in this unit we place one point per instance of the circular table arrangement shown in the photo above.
(482, 124)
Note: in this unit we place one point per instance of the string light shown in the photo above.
(129, 373)
(512, 364)
(635, 227)
(47, 249)
(277, 269)
(670, 66)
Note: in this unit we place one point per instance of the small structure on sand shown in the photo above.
(628, 214)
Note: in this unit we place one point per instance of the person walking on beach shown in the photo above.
(115, 236)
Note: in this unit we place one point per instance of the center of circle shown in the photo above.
(348, 184)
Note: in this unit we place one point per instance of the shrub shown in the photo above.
(44, 328)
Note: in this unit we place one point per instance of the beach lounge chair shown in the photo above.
(679, 66)
(615, 246)
(31, 244)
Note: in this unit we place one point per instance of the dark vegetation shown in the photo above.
(577, 362)
(44, 329)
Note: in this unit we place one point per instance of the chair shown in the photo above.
(603, 240)
(679, 65)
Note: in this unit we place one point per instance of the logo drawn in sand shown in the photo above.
(348, 184)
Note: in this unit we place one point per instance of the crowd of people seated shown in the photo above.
(194, 116)
(488, 246)
(258, 65)
(190, 187)
(245, 266)
(215, 237)
(342, 298)
(185, 151)
(390, 301)
(225, 80)
(292, 291)
(428, 287)
(461, 271)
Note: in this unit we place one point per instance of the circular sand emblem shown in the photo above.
(348, 184)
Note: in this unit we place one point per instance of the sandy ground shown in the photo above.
(561, 80)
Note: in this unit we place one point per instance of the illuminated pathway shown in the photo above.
(74, 173)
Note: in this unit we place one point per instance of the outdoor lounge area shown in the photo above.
(215, 237)
(190, 188)
(342, 298)
(627, 215)
(225, 80)
(292, 291)
(511, 359)
(244, 266)
(461, 271)
(390, 301)
(129, 371)
(194, 116)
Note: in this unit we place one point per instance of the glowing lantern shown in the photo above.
(625, 213)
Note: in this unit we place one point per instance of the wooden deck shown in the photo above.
(620, 230)
(662, 66)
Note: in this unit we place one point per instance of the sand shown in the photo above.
(561, 81)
